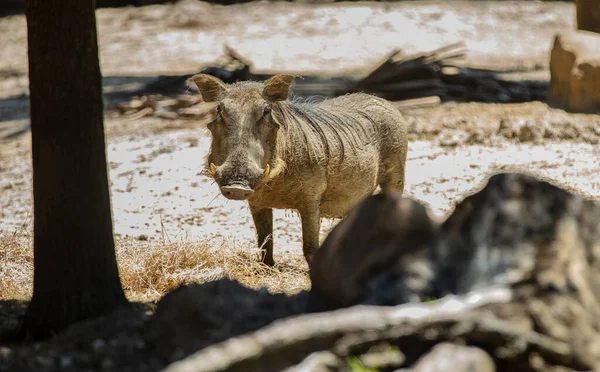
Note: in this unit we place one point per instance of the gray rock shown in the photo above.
(450, 357)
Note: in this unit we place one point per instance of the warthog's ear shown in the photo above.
(211, 88)
(277, 88)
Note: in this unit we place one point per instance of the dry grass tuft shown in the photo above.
(149, 269)
(16, 266)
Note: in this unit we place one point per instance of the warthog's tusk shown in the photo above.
(267, 170)
(212, 170)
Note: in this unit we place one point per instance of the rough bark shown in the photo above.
(286, 342)
(415, 329)
(575, 71)
(588, 15)
(75, 269)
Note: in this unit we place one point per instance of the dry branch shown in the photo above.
(398, 77)
(287, 342)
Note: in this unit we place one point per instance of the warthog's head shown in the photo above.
(243, 151)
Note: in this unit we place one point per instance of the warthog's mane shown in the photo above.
(316, 124)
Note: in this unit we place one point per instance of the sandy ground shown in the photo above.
(158, 191)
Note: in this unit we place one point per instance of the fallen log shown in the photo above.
(398, 77)
(289, 341)
(417, 103)
(397, 66)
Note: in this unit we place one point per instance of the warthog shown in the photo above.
(318, 158)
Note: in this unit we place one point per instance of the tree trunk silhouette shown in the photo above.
(75, 269)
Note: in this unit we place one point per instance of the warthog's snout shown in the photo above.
(238, 182)
(236, 191)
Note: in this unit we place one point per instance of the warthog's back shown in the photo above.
(346, 146)
(387, 125)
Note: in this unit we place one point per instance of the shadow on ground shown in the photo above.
(14, 110)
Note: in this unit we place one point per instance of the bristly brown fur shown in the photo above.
(318, 130)
(318, 158)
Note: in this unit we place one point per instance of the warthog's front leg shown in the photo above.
(263, 221)
(311, 224)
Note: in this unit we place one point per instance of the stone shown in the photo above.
(321, 361)
(520, 258)
(196, 315)
(455, 358)
(517, 228)
(575, 72)
(381, 230)
(383, 359)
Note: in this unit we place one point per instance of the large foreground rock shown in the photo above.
(520, 259)
(454, 358)
(575, 71)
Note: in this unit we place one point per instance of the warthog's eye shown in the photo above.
(266, 114)
(217, 115)
(268, 117)
(267, 110)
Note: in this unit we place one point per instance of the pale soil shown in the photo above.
(158, 190)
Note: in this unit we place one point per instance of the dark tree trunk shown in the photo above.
(75, 269)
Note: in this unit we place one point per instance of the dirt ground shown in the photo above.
(159, 194)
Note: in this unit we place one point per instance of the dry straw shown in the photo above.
(149, 269)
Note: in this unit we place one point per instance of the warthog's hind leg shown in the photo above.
(311, 225)
(263, 222)
(394, 180)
